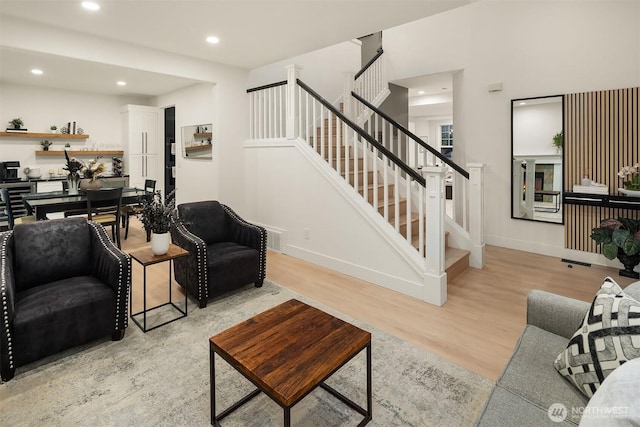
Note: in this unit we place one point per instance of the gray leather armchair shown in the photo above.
(225, 251)
(63, 283)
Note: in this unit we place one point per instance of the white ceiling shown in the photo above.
(252, 33)
(430, 96)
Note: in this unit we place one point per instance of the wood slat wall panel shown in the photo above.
(600, 137)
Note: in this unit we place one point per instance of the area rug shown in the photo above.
(161, 378)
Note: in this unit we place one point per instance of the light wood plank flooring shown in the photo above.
(477, 328)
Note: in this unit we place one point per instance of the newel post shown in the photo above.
(476, 214)
(347, 99)
(435, 283)
(293, 73)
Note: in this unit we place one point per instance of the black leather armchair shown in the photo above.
(225, 252)
(63, 283)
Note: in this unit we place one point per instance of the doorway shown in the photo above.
(169, 149)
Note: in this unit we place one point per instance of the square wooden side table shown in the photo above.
(146, 258)
(288, 351)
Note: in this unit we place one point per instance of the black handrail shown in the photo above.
(269, 86)
(411, 135)
(369, 64)
(415, 175)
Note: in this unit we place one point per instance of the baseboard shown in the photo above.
(398, 284)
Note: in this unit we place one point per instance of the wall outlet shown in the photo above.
(307, 234)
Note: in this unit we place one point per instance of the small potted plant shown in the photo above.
(620, 238)
(54, 128)
(16, 123)
(155, 215)
(557, 141)
(46, 144)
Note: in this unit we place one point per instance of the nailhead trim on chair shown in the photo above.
(263, 234)
(3, 291)
(102, 235)
(200, 254)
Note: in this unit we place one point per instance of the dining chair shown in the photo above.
(103, 207)
(128, 210)
(8, 211)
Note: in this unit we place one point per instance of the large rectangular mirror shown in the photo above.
(197, 141)
(537, 158)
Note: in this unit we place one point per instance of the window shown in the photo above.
(446, 140)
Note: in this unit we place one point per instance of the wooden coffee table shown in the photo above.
(288, 351)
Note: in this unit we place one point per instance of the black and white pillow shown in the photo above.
(609, 336)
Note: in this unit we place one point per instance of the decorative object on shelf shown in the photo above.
(64, 130)
(67, 145)
(620, 238)
(557, 141)
(46, 144)
(630, 193)
(16, 123)
(156, 217)
(80, 131)
(53, 128)
(116, 166)
(631, 177)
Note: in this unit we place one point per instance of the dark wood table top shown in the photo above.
(145, 257)
(289, 349)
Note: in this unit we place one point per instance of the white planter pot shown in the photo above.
(160, 243)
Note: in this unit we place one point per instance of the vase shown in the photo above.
(160, 243)
(90, 184)
(73, 181)
(629, 262)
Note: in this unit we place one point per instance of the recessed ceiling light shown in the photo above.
(420, 92)
(121, 83)
(213, 40)
(36, 71)
(523, 103)
(89, 5)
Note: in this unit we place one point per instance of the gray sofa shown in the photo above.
(530, 384)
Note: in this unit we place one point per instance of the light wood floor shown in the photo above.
(477, 328)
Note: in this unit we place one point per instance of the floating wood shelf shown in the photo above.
(80, 152)
(197, 148)
(44, 135)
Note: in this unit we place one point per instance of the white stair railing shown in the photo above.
(267, 111)
(371, 84)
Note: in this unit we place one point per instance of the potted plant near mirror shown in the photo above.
(620, 238)
(155, 215)
(557, 141)
(54, 128)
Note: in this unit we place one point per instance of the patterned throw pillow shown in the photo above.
(609, 336)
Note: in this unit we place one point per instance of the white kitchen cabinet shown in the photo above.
(142, 142)
(142, 167)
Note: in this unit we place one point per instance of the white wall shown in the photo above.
(97, 115)
(322, 70)
(229, 99)
(299, 196)
(582, 46)
(194, 105)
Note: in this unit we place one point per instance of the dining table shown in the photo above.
(41, 204)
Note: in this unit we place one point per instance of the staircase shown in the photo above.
(331, 145)
(399, 196)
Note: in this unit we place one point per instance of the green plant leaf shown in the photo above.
(601, 235)
(610, 250)
(631, 246)
(620, 236)
(632, 225)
